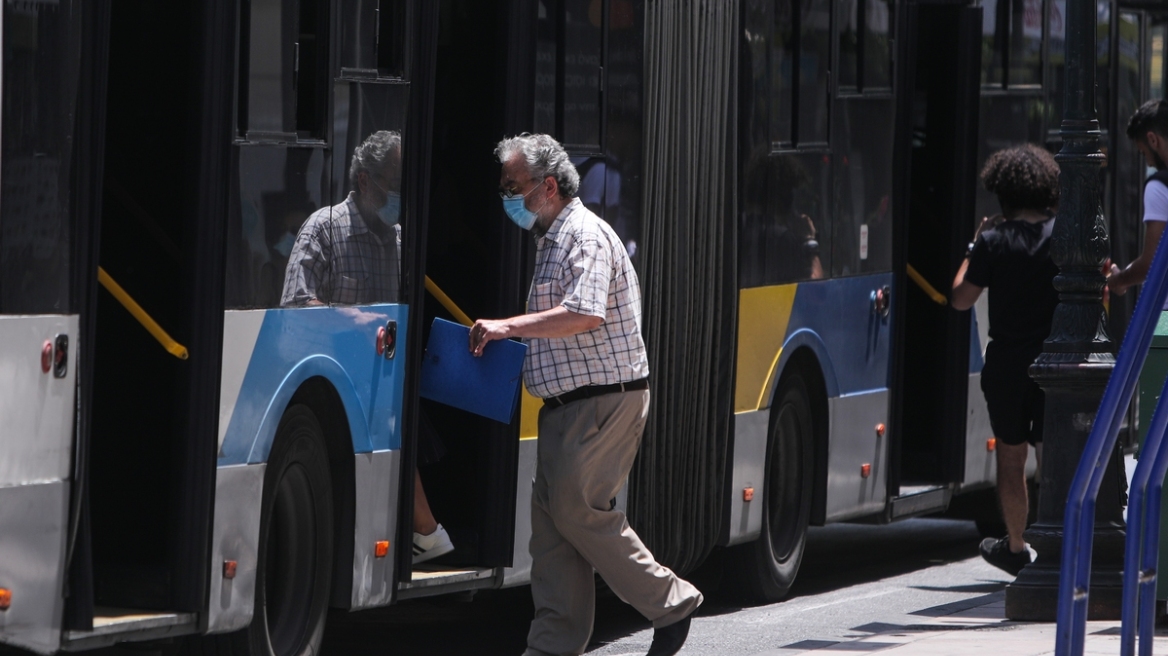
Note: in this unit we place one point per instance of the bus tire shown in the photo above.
(764, 570)
(294, 572)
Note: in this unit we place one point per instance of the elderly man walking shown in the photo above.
(587, 360)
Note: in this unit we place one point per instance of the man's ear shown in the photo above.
(555, 185)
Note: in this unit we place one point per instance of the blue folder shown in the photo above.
(486, 385)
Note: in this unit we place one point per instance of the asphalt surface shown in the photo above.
(856, 580)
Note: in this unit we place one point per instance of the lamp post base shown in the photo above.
(1033, 596)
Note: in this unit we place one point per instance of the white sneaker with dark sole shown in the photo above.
(427, 547)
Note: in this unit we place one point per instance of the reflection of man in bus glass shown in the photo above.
(587, 360)
(349, 253)
(792, 246)
(1148, 127)
(1010, 255)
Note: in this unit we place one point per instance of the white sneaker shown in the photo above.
(431, 546)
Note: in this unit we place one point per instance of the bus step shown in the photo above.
(920, 500)
(425, 583)
(113, 625)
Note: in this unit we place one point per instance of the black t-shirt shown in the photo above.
(1013, 261)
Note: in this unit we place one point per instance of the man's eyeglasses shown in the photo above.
(507, 194)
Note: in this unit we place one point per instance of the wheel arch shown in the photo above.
(804, 361)
(321, 396)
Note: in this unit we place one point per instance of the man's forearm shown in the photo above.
(556, 322)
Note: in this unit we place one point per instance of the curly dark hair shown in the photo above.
(1024, 177)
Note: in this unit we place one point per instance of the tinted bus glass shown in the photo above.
(849, 44)
(877, 44)
(861, 241)
(582, 62)
(40, 86)
(1025, 42)
(995, 32)
(814, 57)
(781, 68)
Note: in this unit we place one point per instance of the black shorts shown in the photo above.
(1014, 400)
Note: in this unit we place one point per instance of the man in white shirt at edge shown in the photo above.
(1148, 128)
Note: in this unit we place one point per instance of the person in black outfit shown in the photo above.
(1010, 254)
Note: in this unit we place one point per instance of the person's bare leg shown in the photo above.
(1012, 491)
(424, 521)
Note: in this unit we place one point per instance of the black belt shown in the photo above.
(589, 391)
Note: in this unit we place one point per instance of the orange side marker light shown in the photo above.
(747, 494)
(991, 444)
(381, 548)
(229, 567)
(5, 598)
(880, 428)
(865, 470)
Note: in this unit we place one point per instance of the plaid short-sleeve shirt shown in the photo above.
(581, 264)
(337, 259)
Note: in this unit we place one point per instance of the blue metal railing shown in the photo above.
(1144, 507)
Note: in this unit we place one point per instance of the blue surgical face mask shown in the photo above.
(390, 212)
(518, 212)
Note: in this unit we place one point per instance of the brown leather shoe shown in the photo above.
(668, 640)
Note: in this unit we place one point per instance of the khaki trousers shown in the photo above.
(586, 449)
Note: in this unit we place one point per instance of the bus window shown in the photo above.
(569, 64)
(1012, 42)
(849, 45)
(781, 65)
(877, 60)
(39, 106)
(814, 57)
(391, 38)
(283, 68)
(862, 235)
(784, 229)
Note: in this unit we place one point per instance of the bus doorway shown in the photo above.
(936, 152)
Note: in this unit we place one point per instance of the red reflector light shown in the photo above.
(229, 567)
(880, 430)
(865, 470)
(381, 548)
(5, 598)
(747, 493)
(991, 444)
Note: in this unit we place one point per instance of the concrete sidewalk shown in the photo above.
(974, 628)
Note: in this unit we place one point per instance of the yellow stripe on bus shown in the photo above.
(763, 315)
(529, 415)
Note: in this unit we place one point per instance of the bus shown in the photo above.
(184, 458)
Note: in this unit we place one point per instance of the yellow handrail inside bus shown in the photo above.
(174, 348)
(447, 303)
(932, 293)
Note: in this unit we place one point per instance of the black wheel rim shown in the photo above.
(290, 568)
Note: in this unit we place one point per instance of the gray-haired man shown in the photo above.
(587, 360)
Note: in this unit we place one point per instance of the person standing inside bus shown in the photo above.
(587, 360)
(349, 254)
(1148, 128)
(1010, 255)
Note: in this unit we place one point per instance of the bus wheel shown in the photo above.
(766, 568)
(294, 572)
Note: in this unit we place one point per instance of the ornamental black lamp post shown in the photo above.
(1076, 359)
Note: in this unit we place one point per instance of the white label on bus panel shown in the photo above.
(863, 241)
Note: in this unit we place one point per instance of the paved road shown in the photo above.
(855, 581)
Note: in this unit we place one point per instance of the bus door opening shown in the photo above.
(940, 97)
(152, 435)
(467, 463)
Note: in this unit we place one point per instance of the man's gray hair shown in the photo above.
(544, 156)
(379, 150)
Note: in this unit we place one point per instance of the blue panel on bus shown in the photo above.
(836, 316)
(338, 344)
